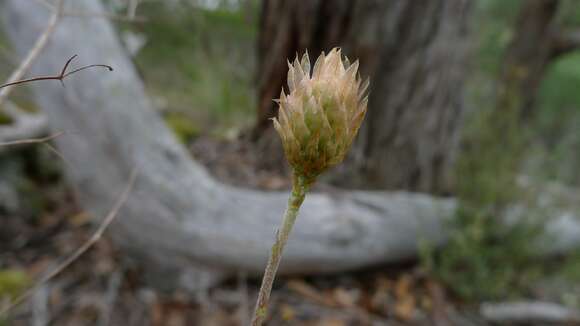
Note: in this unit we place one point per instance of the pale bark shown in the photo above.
(535, 312)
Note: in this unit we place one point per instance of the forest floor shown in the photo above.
(105, 288)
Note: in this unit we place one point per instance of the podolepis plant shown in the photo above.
(317, 122)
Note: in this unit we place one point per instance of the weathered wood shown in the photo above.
(534, 312)
(179, 218)
(415, 54)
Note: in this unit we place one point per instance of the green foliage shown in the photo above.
(12, 283)
(27, 170)
(555, 146)
(184, 128)
(569, 14)
(571, 268)
(494, 21)
(557, 120)
(486, 258)
(200, 62)
(4, 119)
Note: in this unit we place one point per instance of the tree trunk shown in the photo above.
(535, 44)
(181, 224)
(539, 39)
(415, 54)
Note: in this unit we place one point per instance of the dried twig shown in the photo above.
(34, 52)
(33, 140)
(43, 140)
(60, 77)
(16, 76)
(81, 250)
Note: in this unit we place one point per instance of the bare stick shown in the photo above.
(81, 250)
(33, 140)
(60, 77)
(34, 52)
(43, 140)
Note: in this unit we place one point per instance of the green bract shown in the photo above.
(321, 115)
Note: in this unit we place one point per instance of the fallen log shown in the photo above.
(180, 220)
(533, 312)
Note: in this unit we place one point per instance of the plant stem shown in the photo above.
(300, 186)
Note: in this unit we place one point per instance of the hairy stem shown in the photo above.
(300, 186)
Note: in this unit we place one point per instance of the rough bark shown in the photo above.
(415, 54)
(539, 39)
(536, 42)
(178, 218)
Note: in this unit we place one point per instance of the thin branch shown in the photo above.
(41, 42)
(33, 140)
(60, 77)
(20, 120)
(34, 52)
(565, 42)
(81, 250)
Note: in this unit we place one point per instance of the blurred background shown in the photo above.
(473, 104)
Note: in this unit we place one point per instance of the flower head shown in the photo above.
(320, 117)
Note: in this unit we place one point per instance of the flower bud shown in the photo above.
(320, 117)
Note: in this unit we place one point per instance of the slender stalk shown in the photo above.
(300, 186)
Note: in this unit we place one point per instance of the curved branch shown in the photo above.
(60, 77)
